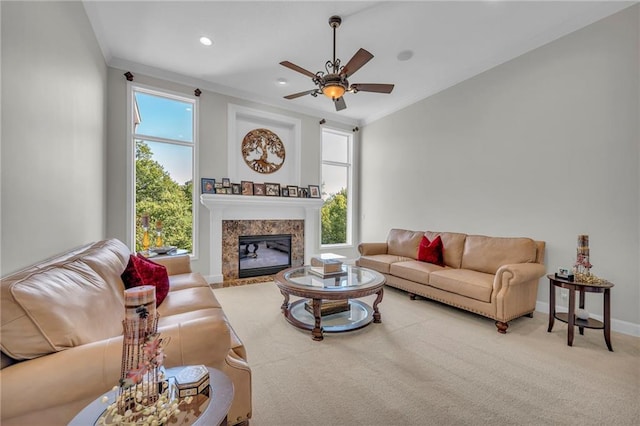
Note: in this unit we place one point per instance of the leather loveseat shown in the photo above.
(61, 333)
(491, 276)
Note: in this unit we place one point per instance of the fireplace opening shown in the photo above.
(263, 254)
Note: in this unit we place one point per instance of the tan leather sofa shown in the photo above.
(61, 333)
(491, 276)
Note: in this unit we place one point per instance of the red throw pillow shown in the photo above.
(431, 251)
(142, 271)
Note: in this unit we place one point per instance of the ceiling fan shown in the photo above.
(333, 83)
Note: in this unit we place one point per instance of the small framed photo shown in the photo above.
(259, 189)
(247, 187)
(314, 191)
(226, 183)
(284, 192)
(218, 185)
(293, 191)
(272, 189)
(208, 186)
(236, 189)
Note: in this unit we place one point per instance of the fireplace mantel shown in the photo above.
(244, 207)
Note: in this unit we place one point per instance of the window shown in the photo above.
(336, 212)
(164, 143)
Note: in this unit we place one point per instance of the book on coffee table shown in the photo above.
(328, 307)
(325, 267)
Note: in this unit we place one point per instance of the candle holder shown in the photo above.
(146, 242)
(144, 394)
(159, 239)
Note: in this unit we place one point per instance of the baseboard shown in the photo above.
(618, 326)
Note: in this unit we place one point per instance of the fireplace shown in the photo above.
(228, 214)
(263, 254)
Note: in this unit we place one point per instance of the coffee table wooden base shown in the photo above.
(360, 314)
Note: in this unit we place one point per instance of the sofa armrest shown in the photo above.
(368, 249)
(61, 378)
(518, 273)
(515, 289)
(180, 264)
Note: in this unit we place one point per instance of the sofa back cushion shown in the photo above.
(452, 244)
(401, 242)
(73, 301)
(487, 254)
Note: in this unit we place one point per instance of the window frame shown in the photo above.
(131, 158)
(351, 185)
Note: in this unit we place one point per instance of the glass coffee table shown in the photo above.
(329, 301)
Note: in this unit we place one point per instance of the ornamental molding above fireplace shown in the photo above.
(244, 207)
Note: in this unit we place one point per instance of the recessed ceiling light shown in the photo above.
(405, 55)
(206, 41)
(282, 81)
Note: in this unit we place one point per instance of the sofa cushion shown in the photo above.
(189, 299)
(188, 280)
(488, 254)
(467, 283)
(401, 242)
(431, 251)
(142, 271)
(380, 262)
(453, 246)
(65, 304)
(414, 270)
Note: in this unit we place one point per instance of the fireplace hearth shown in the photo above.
(263, 254)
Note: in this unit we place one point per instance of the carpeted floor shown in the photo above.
(430, 364)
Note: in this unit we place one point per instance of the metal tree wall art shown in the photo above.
(263, 151)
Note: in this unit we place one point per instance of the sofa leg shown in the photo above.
(412, 296)
(502, 327)
(530, 315)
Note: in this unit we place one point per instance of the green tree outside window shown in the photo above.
(162, 199)
(334, 218)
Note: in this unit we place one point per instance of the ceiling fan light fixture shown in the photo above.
(333, 90)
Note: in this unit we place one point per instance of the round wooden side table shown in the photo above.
(570, 316)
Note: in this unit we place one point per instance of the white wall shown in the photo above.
(53, 131)
(544, 146)
(212, 156)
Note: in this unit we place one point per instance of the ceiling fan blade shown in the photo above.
(297, 68)
(356, 62)
(340, 103)
(372, 87)
(297, 95)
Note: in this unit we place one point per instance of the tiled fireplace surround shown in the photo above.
(232, 230)
(233, 215)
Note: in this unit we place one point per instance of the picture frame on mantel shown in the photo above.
(247, 187)
(314, 191)
(208, 186)
(272, 189)
(259, 189)
(242, 120)
(293, 191)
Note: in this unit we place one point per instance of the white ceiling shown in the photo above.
(451, 42)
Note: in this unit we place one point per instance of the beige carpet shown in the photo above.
(430, 364)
